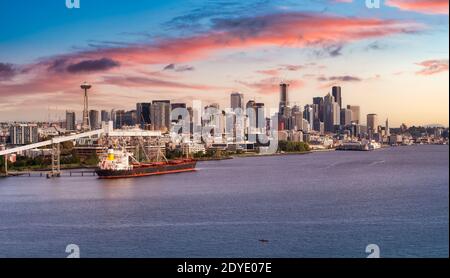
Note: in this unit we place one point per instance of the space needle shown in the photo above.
(86, 126)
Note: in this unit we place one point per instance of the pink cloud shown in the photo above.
(421, 6)
(430, 67)
(142, 82)
(270, 85)
(271, 72)
(64, 73)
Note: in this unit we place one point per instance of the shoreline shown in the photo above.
(203, 159)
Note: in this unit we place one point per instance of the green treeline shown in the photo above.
(288, 146)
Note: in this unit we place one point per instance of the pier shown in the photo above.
(44, 174)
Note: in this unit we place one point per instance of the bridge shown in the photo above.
(107, 129)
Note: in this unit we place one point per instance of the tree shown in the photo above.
(289, 146)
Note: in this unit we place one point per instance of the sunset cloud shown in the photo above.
(102, 64)
(430, 67)
(421, 6)
(7, 71)
(142, 82)
(343, 78)
(176, 68)
(294, 29)
(270, 85)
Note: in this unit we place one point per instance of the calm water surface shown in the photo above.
(330, 204)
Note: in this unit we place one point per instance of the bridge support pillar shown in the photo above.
(56, 162)
(5, 158)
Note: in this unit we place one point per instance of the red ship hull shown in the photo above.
(151, 169)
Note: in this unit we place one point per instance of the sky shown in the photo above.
(391, 60)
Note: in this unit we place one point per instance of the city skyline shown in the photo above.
(392, 61)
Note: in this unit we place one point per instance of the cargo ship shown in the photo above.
(121, 164)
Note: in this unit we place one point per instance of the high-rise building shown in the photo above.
(297, 117)
(130, 118)
(250, 104)
(331, 114)
(143, 113)
(260, 116)
(70, 121)
(178, 105)
(355, 113)
(284, 97)
(308, 114)
(346, 117)
(337, 95)
(160, 115)
(259, 120)
(319, 102)
(237, 101)
(119, 118)
(388, 131)
(93, 119)
(22, 134)
(372, 124)
(105, 116)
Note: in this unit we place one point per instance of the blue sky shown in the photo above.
(129, 43)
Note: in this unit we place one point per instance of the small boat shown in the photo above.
(116, 164)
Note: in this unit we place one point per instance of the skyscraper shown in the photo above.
(355, 113)
(372, 124)
(337, 95)
(70, 121)
(179, 105)
(260, 117)
(93, 119)
(388, 131)
(160, 115)
(331, 113)
(284, 97)
(130, 118)
(346, 117)
(319, 102)
(308, 114)
(237, 100)
(105, 116)
(119, 118)
(143, 113)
